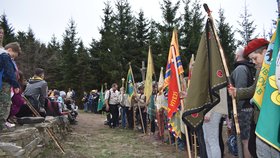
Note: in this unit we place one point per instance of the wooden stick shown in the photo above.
(137, 103)
(49, 130)
(182, 103)
(195, 145)
(240, 153)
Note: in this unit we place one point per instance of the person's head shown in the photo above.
(114, 86)
(39, 73)
(56, 93)
(239, 54)
(1, 36)
(255, 50)
(13, 49)
(141, 89)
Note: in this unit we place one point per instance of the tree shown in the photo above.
(9, 35)
(169, 23)
(196, 27)
(226, 36)
(124, 51)
(69, 55)
(54, 58)
(247, 27)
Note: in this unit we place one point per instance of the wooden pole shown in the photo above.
(240, 151)
(141, 118)
(49, 130)
(182, 102)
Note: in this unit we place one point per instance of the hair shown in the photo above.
(14, 46)
(39, 72)
(114, 84)
(260, 50)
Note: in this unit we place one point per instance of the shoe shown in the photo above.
(9, 125)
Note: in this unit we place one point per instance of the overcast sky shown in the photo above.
(48, 17)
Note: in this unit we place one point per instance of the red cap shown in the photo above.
(253, 45)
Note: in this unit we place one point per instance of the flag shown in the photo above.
(149, 77)
(259, 92)
(208, 77)
(171, 86)
(268, 125)
(174, 47)
(101, 100)
(173, 93)
(129, 84)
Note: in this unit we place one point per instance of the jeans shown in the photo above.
(211, 135)
(123, 115)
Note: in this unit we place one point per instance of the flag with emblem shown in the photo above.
(259, 92)
(208, 77)
(268, 125)
(129, 84)
(101, 99)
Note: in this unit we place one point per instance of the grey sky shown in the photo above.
(48, 17)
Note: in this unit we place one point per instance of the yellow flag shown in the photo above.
(149, 77)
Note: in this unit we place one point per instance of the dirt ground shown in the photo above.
(91, 139)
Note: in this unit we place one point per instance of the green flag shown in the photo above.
(129, 84)
(101, 99)
(208, 77)
(268, 125)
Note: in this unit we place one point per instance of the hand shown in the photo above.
(16, 90)
(107, 108)
(232, 91)
(206, 118)
(183, 94)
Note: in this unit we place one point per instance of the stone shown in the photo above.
(12, 149)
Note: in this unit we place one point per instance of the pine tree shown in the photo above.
(69, 55)
(54, 66)
(247, 27)
(226, 36)
(196, 27)
(9, 35)
(170, 21)
(125, 41)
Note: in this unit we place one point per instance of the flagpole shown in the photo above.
(240, 153)
(137, 104)
(182, 101)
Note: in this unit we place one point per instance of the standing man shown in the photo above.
(242, 77)
(141, 102)
(112, 104)
(7, 80)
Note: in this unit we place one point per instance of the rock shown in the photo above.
(30, 120)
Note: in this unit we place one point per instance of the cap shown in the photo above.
(253, 45)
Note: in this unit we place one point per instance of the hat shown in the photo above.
(93, 91)
(253, 45)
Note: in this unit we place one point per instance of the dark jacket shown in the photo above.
(242, 77)
(9, 73)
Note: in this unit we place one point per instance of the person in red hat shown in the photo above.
(255, 51)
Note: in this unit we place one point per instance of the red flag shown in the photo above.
(173, 93)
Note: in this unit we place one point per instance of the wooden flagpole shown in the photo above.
(182, 101)
(137, 104)
(240, 151)
(48, 129)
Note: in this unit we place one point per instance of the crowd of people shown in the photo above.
(136, 113)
